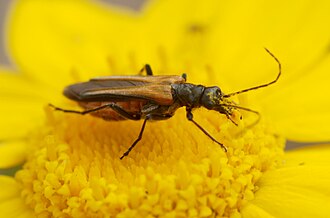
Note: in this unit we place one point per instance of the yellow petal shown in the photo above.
(15, 207)
(297, 38)
(253, 211)
(233, 42)
(229, 37)
(298, 103)
(301, 109)
(298, 189)
(15, 84)
(11, 203)
(19, 116)
(21, 104)
(312, 155)
(12, 188)
(12, 153)
(53, 40)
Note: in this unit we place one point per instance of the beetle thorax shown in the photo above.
(187, 94)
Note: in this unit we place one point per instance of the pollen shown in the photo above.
(74, 169)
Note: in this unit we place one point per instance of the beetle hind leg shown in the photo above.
(113, 106)
(184, 76)
(147, 69)
(73, 111)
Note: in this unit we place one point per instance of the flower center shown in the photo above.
(74, 167)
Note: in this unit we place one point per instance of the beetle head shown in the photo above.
(213, 99)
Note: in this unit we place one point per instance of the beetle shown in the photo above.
(150, 98)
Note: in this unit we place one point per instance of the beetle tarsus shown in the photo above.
(113, 106)
(66, 111)
(190, 118)
(229, 118)
(137, 140)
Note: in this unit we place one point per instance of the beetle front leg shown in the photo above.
(229, 118)
(190, 118)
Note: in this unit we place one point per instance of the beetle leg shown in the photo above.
(124, 113)
(137, 140)
(229, 117)
(113, 106)
(160, 116)
(190, 118)
(184, 76)
(148, 70)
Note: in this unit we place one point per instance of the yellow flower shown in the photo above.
(71, 162)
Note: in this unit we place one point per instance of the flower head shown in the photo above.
(72, 166)
(75, 170)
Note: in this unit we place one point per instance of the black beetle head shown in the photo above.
(211, 97)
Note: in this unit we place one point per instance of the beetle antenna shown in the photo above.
(260, 86)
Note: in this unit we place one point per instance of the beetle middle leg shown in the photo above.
(113, 106)
(148, 117)
(190, 118)
(137, 140)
